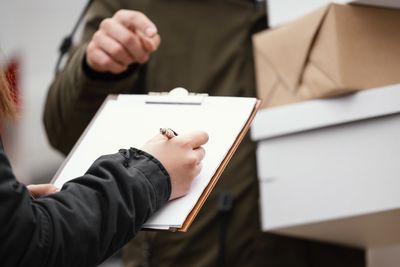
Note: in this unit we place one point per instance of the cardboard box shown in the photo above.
(329, 168)
(335, 50)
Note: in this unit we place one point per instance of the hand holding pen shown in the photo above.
(181, 156)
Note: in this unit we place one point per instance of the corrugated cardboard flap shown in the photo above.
(292, 43)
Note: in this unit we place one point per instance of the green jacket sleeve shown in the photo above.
(74, 96)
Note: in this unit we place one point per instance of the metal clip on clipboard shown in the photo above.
(177, 95)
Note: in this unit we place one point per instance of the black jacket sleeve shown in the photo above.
(88, 220)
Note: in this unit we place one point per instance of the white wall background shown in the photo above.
(32, 31)
(279, 13)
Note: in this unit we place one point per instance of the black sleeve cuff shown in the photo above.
(106, 76)
(158, 177)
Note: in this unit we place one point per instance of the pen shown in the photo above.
(169, 133)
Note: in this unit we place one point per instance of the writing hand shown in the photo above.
(181, 156)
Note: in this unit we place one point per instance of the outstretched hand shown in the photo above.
(128, 37)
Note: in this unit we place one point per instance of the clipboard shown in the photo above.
(125, 121)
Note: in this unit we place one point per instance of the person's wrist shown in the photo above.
(158, 176)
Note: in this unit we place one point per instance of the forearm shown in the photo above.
(121, 193)
(90, 218)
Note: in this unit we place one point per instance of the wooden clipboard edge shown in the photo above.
(62, 166)
(192, 215)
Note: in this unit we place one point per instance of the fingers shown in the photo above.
(111, 45)
(136, 21)
(127, 40)
(101, 61)
(200, 154)
(128, 37)
(39, 190)
(197, 170)
(195, 139)
(152, 44)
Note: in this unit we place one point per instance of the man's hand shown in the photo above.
(128, 37)
(40, 190)
(181, 156)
